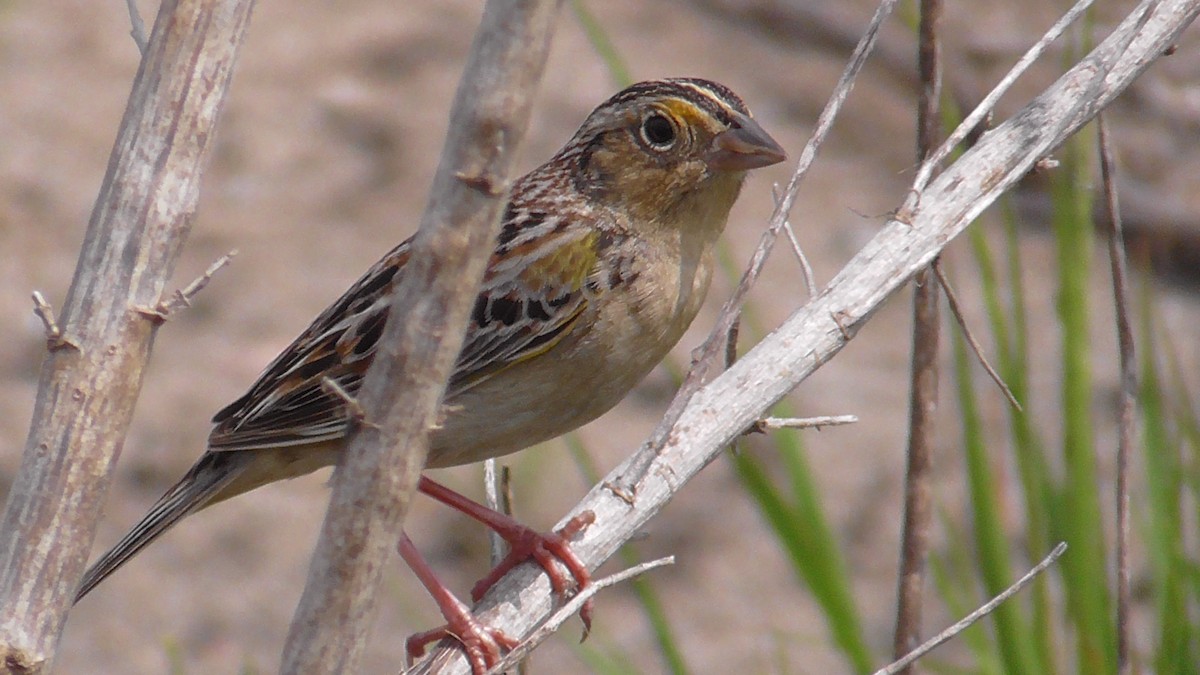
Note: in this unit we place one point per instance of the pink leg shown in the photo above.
(525, 543)
(482, 644)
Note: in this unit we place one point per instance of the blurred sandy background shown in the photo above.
(324, 155)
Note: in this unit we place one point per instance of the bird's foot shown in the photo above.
(482, 644)
(546, 549)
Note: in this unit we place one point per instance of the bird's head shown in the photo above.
(664, 145)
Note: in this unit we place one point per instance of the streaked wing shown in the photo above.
(289, 404)
(533, 293)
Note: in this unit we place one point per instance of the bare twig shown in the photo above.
(377, 477)
(55, 339)
(45, 312)
(497, 490)
(773, 423)
(987, 608)
(1129, 388)
(87, 395)
(810, 281)
(976, 348)
(137, 29)
(491, 498)
(923, 375)
(182, 297)
(572, 607)
(353, 408)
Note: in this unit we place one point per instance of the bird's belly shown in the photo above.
(535, 402)
(570, 385)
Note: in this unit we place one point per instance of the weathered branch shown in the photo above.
(87, 393)
(931, 218)
(375, 482)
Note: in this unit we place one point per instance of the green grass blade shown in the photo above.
(1164, 531)
(1007, 319)
(1028, 448)
(797, 517)
(991, 542)
(804, 533)
(598, 37)
(1085, 572)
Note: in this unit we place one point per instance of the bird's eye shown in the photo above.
(658, 132)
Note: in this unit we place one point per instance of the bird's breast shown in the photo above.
(641, 300)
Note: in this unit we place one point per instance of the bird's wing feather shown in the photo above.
(533, 293)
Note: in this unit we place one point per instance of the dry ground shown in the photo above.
(323, 160)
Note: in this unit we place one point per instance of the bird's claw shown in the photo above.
(546, 549)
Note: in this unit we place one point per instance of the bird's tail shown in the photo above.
(215, 472)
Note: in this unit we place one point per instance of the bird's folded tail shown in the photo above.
(213, 473)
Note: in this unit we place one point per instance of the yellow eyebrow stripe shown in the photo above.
(689, 114)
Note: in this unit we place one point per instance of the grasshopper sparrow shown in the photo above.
(603, 260)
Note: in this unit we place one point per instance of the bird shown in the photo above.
(604, 256)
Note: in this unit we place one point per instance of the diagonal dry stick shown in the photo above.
(972, 342)
(987, 608)
(719, 411)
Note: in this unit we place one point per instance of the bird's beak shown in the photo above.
(743, 146)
